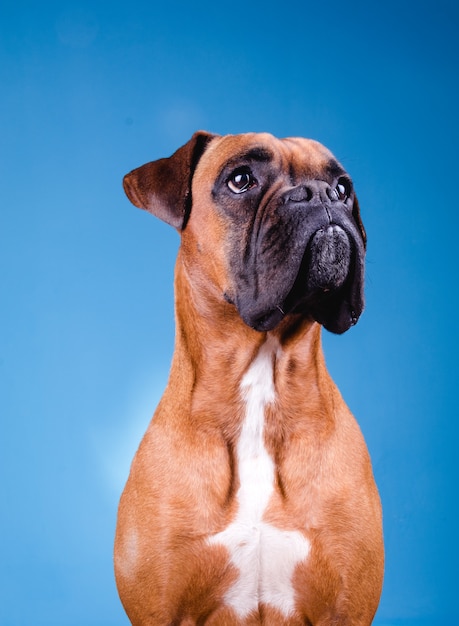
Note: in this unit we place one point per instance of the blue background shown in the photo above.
(90, 91)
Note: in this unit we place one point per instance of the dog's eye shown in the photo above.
(241, 180)
(342, 190)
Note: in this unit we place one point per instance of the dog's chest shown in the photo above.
(264, 555)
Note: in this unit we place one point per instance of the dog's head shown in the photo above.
(277, 218)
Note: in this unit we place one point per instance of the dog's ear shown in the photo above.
(163, 187)
(358, 220)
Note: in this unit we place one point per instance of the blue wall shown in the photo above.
(91, 90)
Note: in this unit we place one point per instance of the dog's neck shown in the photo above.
(214, 350)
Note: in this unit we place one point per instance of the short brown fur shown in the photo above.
(183, 481)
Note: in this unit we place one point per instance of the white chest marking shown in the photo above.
(265, 556)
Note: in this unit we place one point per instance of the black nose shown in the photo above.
(312, 190)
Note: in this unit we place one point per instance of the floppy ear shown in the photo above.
(163, 187)
(358, 220)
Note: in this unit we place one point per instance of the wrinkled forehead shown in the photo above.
(297, 155)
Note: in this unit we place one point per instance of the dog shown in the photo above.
(251, 499)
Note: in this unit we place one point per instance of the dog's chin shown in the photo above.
(267, 321)
(323, 272)
(301, 301)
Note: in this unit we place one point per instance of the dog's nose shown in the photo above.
(312, 190)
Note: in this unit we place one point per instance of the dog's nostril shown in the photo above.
(300, 194)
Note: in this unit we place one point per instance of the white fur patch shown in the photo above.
(265, 556)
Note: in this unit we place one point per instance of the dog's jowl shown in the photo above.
(251, 499)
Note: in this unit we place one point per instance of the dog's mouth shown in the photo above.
(320, 283)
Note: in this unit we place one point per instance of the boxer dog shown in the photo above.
(251, 499)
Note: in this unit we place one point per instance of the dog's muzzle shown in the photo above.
(329, 259)
(306, 256)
